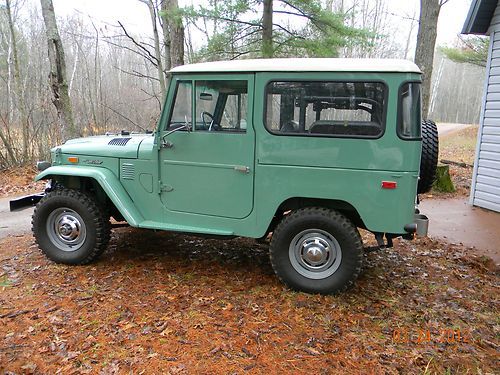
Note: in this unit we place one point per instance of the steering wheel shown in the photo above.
(205, 113)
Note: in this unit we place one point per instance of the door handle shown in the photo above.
(242, 168)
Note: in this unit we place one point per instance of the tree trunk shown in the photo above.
(57, 75)
(443, 181)
(267, 29)
(18, 85)
(174, 21)
(159, 63)
(426, 42)
(166, 36)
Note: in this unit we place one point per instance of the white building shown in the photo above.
(484, 19)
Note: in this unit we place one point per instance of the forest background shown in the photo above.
(115, 76)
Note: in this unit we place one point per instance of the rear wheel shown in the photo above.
(69, 227)
(429, 158)
(316, 250)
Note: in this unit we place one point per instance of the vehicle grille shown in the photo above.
(128, 171)
(119, 141)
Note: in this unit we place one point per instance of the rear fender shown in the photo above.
(108, 182)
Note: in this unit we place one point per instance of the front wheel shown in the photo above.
(69, 227)
(316, 250)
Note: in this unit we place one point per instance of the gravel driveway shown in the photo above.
(13, 222)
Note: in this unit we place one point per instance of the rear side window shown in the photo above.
(409, 121)
(326, 108)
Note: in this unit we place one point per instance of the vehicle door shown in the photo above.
(209, 169)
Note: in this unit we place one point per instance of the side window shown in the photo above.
(409, 121)
(221, 106)
(183, 108)
(338, 109)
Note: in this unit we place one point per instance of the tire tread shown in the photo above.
(429, 158)
(101, 222)
(329, 214)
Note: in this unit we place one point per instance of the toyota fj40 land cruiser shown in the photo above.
(302, 150)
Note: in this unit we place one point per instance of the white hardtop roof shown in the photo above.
(301, 65)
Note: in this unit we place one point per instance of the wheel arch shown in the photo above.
(294, 203)
(104, 180)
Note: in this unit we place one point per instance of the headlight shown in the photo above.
(42, 165)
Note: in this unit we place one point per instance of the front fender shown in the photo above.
(108, 182)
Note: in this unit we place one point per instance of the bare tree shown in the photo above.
(426, 43)
(267, 29)
(57, 75)
(153, 12)
(18, 83)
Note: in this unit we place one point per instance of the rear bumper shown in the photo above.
(26, 201)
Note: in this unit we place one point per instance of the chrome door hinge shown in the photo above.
(164, 188)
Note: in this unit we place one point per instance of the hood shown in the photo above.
(112, 145)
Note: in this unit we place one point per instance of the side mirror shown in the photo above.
(167, 144)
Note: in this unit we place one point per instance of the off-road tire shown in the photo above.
(97, 226)
(429, 158)
(327, 221)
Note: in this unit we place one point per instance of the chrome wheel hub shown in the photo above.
(315, 254)
(66, 229)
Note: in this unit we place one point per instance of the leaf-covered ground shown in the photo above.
(168, 303)
(459, 147)
(19, 181)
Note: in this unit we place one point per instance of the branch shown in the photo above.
(154, 95)
(233, 20)
(288, 31)
(137, 43)
(403, 17)
(300, 14)
(122, 116)
(134, 51)
(135, 73)
(239, 54)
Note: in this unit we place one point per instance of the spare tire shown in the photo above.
(429, 158)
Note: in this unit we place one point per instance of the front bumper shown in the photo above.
(26, 201)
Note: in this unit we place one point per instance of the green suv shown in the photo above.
(299, 151)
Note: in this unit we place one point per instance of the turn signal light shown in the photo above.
(389, 184)
(73, 159)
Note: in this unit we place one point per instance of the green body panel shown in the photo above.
(109, 183)
(208, 172)
(202, 183)
(99, 145)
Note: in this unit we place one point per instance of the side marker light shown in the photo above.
(389, 184)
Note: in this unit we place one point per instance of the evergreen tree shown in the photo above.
(473, 50)
(299, 28)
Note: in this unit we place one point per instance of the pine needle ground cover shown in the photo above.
(168, 303)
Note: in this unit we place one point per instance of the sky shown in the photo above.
(134, 15)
